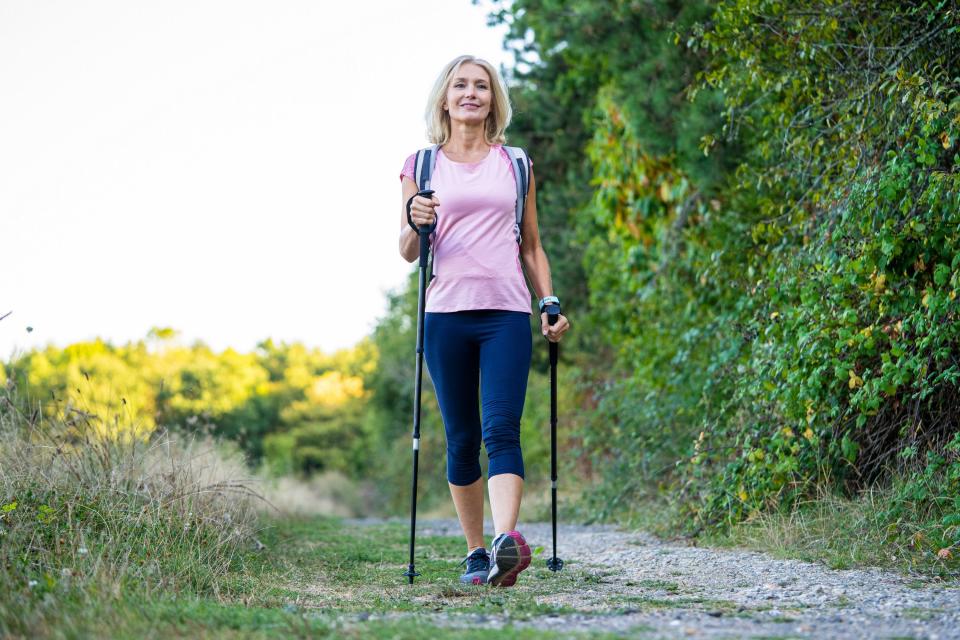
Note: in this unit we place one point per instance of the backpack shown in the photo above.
(426, 161)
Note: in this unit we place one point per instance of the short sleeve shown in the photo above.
(506, 158)
(408, 168)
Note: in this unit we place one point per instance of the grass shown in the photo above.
(921, 613)
(159, 538)
(362, 572)
(84, 519)
(318, 577)
(203, 618)
(662, 585)
(841, 533)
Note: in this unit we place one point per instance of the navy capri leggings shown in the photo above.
(489, 351)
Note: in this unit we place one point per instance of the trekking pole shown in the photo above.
(424, 233)
(553, 315)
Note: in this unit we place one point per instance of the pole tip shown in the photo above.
(554, 564)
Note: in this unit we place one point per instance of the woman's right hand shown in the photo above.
(423, 210)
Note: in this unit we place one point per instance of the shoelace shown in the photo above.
(477, 561)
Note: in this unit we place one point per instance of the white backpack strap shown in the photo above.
(521, 170)
(424, 165)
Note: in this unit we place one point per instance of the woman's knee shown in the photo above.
(463, 472)
(463, 462)
(501, 434)
(506, 461)
(501, 438)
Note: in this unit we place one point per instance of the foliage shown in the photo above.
(852, 191)
(845, 532)
(924, 510)
(323, 431)
(301, 406)
(389, 412)
(769, 232)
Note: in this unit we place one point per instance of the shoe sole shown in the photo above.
(510, 558)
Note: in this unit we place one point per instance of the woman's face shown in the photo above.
(469, 94)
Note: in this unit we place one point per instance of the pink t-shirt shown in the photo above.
(476, 259)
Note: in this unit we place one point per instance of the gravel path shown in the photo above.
(635, 584)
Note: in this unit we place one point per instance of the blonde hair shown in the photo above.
(438, 120)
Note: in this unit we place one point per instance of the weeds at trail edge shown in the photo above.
(85, 520)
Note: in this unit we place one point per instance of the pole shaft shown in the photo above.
(411, 571)
(554, 356)
(418, 386)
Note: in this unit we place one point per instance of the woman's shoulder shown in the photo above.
(506, 156)
(412, 158)
(410, 163)
(408, 167)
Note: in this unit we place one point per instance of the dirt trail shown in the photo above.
(634, 584)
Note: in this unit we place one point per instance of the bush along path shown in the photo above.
(614, 584)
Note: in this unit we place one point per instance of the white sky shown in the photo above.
(227, 168)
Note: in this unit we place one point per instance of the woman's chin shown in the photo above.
(469, 117)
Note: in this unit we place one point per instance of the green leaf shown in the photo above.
(849, 448)
(941, 274)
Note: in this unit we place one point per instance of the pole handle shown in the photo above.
(553, 316)
(553, 313)
(427, 228)
(424, 247)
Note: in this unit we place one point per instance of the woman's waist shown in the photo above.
(477, 285)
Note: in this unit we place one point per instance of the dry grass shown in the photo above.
(84, 517)
(327, 494)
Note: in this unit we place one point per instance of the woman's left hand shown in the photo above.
(554, 332)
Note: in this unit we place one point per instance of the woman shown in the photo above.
(477, 323)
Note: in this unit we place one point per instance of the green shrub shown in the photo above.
(783, 318)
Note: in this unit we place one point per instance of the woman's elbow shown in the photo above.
(407, 255)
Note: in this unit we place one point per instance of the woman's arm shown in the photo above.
(423, 213)
(536, 265)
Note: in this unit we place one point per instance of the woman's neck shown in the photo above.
(466, 140)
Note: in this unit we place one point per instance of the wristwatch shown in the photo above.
(548, 300)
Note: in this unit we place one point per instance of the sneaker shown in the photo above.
(478, 566)
(509, 556)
